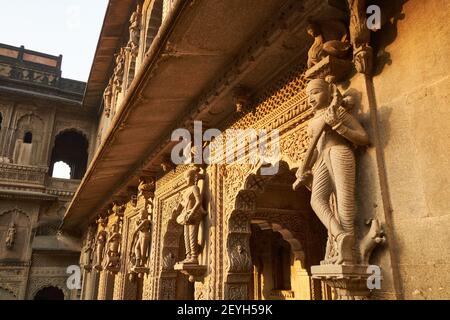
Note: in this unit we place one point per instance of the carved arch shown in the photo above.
(16, 210)
(238, 262)
(287, 235)
(72, 129)
(45, 283)
(169, 254)
(171, 243)
(20, 123)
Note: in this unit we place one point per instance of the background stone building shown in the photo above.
(161, 65)
(42, 123)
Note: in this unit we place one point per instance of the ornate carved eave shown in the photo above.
(117, 15)
(164, 95)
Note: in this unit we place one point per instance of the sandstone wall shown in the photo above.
(411, 88)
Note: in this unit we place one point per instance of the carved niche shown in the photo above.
(140, 229)
(100, 242)
(135, 32)
(113, 245)
(190, 213)
(14, 229)
(87, 252)
(119, 70)
(28, 140)
(139, 251)
(360, 37)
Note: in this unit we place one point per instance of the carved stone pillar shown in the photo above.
(106, 286)
(360, 37)
(83, 284)
(90, 285)
(303, 290)
(237, 281)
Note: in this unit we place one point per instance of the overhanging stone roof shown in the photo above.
(203, 50)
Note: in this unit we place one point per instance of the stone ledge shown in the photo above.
(194, 271)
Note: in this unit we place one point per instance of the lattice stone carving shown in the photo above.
(278, 93)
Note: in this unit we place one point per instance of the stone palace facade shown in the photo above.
(42, 122)
(325, 127)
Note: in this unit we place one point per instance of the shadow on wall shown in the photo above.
(391, 13)
(384, 114)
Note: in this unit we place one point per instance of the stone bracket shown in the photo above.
(113, 270)
(138, 272)
(348, 281)
(330, 66)
(195, 272)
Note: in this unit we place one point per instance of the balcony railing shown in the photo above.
(34, 178)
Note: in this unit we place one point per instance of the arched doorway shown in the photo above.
(272, 261)
(49, 293)
(71, 148)
(273, 239)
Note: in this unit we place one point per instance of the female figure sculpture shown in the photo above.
(100, 242)
(192, 213)
(141, 240)
(10, 236)
(331, 168)
(113, 247)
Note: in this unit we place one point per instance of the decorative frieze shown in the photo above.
(29, 174)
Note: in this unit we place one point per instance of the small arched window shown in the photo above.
(28, 137)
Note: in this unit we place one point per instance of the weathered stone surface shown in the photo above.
(256, 238)
(37, 106)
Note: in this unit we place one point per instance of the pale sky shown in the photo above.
(67, 27)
